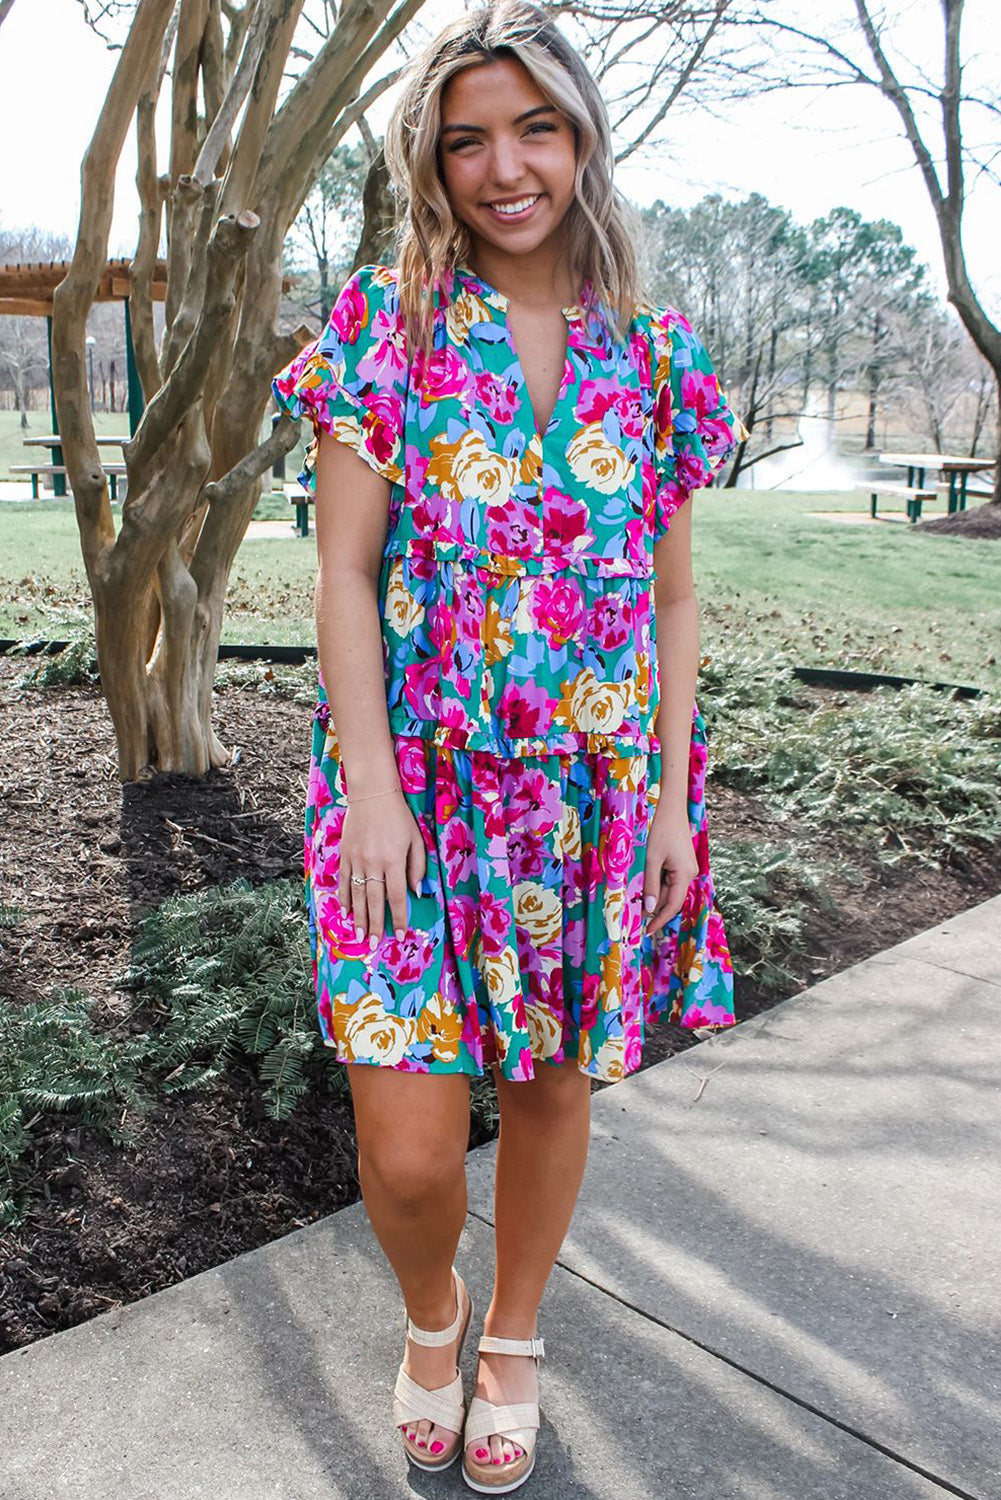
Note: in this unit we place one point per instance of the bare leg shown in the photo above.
(541, 1156)
(413, 1183)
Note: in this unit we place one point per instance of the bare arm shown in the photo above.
(671, 863)
(380, 835)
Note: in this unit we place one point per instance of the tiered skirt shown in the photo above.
(525, 944)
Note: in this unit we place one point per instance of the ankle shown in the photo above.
(512, 1324)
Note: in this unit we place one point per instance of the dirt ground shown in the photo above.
(211, 1175)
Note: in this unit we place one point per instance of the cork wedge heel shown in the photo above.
(519, 1423)
(446, 1403)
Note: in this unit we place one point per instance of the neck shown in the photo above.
(537, 280)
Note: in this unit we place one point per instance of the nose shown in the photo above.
(506, 163)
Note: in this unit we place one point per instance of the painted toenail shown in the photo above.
(437, 1447)
(482, 1453)
(421, 1443)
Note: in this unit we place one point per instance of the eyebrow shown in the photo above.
(539, 109)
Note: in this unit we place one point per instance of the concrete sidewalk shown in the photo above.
(781, 1283)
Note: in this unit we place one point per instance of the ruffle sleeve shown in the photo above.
(351, 381)
(695, 430)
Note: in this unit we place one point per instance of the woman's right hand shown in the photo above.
(380, 836)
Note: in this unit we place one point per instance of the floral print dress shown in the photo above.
(519, 645)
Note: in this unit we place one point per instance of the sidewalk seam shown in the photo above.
(779, 1390)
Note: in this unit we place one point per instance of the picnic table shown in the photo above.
(954, 469)
(57, 468)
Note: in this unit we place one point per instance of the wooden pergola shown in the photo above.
(26, 292)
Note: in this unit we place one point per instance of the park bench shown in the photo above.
(298, 497)
(112, 470)
(913, 495)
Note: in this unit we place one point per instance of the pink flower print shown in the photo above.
(617, 849)
(458, 852)
(495, 922)
(513, 529)
(337, 929)
(589, 1001)
(663, 418)
(565, 523)
(558, 609)
(692, 471)
(591, 872)
(639, 349)
(469, 610)
(381, 424)
(385, 362)
(700, 392)
(410, 763)
(526, 850)
(525, 711)
(533, 799)
(574, 933)
(447, 798)
(406, 955)
(441, 376)
(350, 313)
(716, 943)
(324, 1004)
(610, 622)
(633, 1054)
(461, 921)
(523, 1069)
(499, 396)
(600, 396)
(717, 435)
(696, 770)
(422, 687)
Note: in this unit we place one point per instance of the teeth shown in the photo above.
(514, 208)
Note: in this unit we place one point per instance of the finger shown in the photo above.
(651, 886)
(396, 895)
(376, 909)
(359, 908)
(417, 860)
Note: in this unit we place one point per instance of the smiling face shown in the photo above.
(507, 156)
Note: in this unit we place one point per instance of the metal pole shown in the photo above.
(58, 480)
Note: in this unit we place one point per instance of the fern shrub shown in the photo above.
(53, 1061)
(231, 967)
(74, 666)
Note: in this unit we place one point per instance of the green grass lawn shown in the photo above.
(769, 577)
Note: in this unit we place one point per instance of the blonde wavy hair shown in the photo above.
(601, 229)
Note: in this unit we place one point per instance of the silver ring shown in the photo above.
(358, 879)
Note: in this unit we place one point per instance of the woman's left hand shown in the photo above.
(671, 866)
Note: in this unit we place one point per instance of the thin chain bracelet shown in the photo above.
(386, 793)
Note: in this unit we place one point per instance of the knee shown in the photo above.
(412, 1174)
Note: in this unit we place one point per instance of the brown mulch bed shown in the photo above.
(982, 522)
(211, 1175)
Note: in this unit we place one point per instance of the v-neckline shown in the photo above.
(573, 313)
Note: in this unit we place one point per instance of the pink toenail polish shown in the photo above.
(482, 1453)
(437, 1447)
(421, 1443)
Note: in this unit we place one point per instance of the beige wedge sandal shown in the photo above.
(518, 1423)
(446, 1404)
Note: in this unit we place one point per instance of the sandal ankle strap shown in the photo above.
(435, 1337)
(491, 1344)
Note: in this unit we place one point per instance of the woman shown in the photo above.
(505, 438)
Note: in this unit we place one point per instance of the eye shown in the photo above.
(546, 125)
(465, 140)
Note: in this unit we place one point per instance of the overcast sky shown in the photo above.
(804, 150)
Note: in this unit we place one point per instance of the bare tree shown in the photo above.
(944, 152)
(240, 168)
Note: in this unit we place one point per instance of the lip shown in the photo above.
(500, 218)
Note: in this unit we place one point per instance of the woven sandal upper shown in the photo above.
(519, 1422)
(444, 1406)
